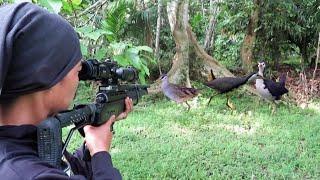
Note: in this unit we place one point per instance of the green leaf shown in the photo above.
(118, 48)
(101, 53)
(134, 58)
(76, 2)
(145, 48)
(149, 58)
(51, 5)
(91, 33)
(141, 77)
(66, 7)
(95, 34)
(146, 69)
(85, 29)
(84, 49)
(133, 50)
(121, 59)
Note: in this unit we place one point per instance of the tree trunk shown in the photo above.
(201, 63)
(317, 59)
(178, 15)
(246, 51)
(158, 33)
(209, 39)
(149, 37)
(304, 52)
(202, 7)
(205, 61)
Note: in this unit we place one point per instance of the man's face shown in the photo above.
(62, 94)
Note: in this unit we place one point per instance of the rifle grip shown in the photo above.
(111, 128)
(81, 131)
(86, 153)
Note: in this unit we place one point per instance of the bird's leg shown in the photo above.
(229, 103)
(287, 104)
(259, 101)
(210, 99)
(188, 106)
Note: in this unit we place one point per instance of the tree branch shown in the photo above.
(98, 3)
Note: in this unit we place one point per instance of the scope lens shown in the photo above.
(86, 70)
(126, 74)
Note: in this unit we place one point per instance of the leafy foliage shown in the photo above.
(104, 34)
(227, 49)
(127, 54)
(51, 5)
(115, 20)
(290, 23)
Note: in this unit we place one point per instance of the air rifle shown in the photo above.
(110, 100)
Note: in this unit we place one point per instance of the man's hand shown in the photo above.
(129, 107)
(99, 138)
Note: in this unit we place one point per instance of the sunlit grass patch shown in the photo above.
(162, 140)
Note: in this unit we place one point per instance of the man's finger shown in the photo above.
(131, 104)
(111, 120)
(122, 116)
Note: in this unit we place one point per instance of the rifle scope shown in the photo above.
(106, 71)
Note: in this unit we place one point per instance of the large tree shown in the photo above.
(190, 57)
(246, 51)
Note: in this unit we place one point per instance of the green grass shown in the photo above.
(161, 140)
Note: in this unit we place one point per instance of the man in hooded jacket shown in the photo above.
(39, 66)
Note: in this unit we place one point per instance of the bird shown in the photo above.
(177, 93)
(268, 89)
(224, 85)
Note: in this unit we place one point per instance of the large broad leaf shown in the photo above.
(121, 59)
(132, 55)
(85, 29)
(141, 77)
(84, 49)
(151, 59)
(118, 48)
(94, 35)
(76, 2)
(52, 5)
(101, 53)
(91, 33)
(69, 7)
(146, 69)
(144, 48)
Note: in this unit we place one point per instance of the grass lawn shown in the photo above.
(161, 140)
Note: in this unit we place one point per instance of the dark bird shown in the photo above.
(177, 93)
(268, 89)
(227, 84)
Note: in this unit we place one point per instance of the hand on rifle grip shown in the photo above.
(129, 106)
(99, 138)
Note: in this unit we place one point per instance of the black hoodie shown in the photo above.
(19, 159)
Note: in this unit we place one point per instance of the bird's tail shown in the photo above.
(212, 75)
(282, 79)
